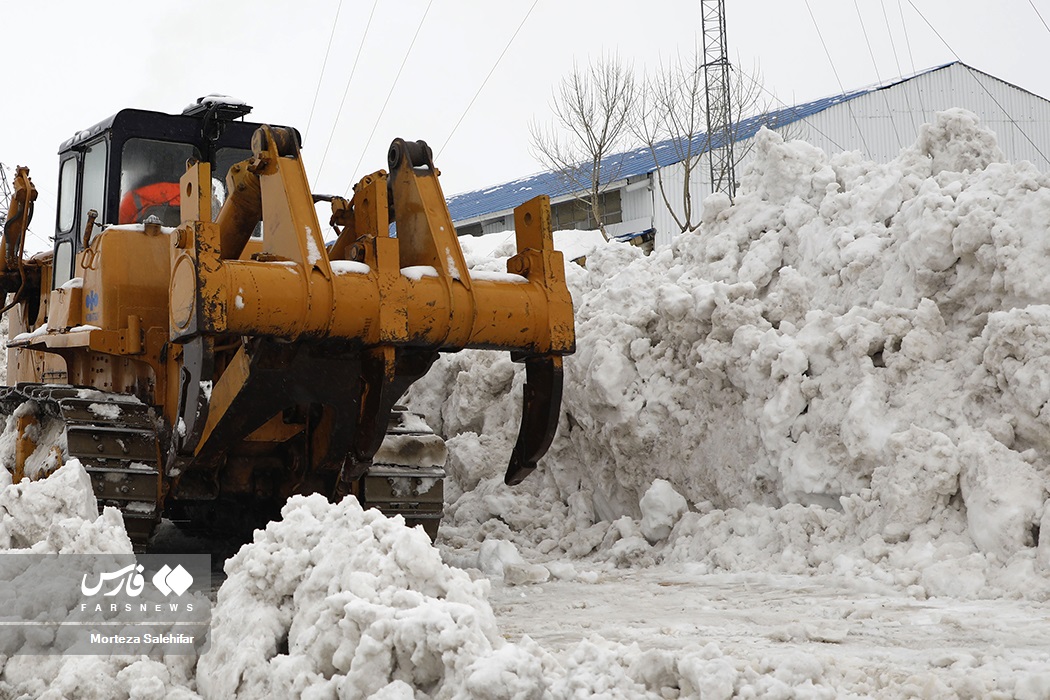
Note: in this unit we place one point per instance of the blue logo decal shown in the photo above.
(92, 300)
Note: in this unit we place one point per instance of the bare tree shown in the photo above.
(5, 194)
(593, 110)
(672, 114)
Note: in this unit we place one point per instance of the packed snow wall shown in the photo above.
(848, 334)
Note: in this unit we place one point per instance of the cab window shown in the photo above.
(93, 191)
(67, 194)
(149, 180)
(63, 263)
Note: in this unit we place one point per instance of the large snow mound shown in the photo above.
(850, 360)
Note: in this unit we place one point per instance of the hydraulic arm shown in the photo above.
(352, 328)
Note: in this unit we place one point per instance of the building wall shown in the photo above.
(881, 123)
(498, 224)
(673, 178)
(636, 207)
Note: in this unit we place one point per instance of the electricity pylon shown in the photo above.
(716, 84)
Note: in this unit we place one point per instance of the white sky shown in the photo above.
(69, 67)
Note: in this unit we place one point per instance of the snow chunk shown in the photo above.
(59, 514)
(501, 558)
(418, 272)
(350, 267)
(957, 142)
(1004, 496)
(662, 506)
(29, 335)
(313, 255)
(109, 411)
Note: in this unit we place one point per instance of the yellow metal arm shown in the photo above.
(390, 301)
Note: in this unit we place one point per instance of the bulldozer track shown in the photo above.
(115, 438)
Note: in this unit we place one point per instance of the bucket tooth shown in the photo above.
(541, 404)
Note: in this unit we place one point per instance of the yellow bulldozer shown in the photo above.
(202, 350)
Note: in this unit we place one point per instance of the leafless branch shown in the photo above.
(674, 115)
(593, 109)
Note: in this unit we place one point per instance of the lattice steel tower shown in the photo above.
(716, 84)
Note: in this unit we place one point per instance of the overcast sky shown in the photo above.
(70, 64)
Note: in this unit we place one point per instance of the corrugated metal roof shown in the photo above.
(620, 166)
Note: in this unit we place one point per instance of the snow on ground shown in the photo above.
(803, 453)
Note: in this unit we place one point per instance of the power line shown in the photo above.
(346, 91)
(486, 80)
(834, 70)
(787, 106)
(324, 65)
(1038, 14)
(871, 52)
(897, 60)
(388, 94)
(978, 81)
(911, 56)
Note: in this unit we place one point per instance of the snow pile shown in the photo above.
(58, 514)
(343, 601)
(844, 370)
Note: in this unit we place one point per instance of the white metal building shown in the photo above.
(878, 121)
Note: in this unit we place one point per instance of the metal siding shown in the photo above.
(888, 117)
(663, 222)
(498, 225)
(908, 105)
(665, 226)
(636, 203)
(673, 180)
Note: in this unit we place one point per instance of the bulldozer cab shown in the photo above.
(127, 168)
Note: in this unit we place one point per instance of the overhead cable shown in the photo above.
(389, 93)
(324, 64)
(860, 132)
(346, 90)
(489, 75)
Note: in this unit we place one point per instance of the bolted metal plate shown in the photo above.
(417, 494)
(123, 486)
(106, 442)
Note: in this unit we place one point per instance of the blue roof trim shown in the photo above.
(620, 166)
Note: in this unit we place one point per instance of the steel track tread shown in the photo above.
(115, 438)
